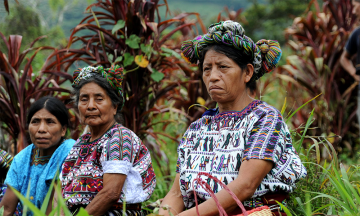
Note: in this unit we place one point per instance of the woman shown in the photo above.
(244, 142)
(108, 165)
(39, 162)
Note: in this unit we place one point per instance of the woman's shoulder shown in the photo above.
(124, 131)
(264, 109)
(26, 151)
(67, 144)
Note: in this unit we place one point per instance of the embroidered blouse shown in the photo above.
(119, 150)
(218, 143)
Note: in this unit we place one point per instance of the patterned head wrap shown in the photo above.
(5, 159)
(266, 53)
(114, 76)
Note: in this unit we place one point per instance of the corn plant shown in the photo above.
(20, 86)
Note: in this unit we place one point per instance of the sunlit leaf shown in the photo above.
(141, 61)
(201, 101)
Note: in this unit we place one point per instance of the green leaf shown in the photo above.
(119, 25)
(102, 38)
(171, 52)
(286, 210)
(2, 211)
(128, 59)
(27, 197)
(133, 41)
(308, 123)
(146, 48)
(110, 57)
(119, 59)
(292, 114)
(48, 195)
(283, 107)
(27, 203)
(82, 212)
(157, 76)
(61, 200)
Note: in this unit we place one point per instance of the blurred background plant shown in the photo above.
(20, 86)
(317, 40)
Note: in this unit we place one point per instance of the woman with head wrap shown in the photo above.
(37, 165)
(244, 142)
(108, 165)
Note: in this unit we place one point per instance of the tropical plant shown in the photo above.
(318, 40)
(20, 86)
(131, 34)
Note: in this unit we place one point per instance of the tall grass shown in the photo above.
(330, 188)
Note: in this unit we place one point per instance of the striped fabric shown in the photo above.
(5, 159)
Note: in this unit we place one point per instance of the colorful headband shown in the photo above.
(5, 159)
(114, 76)
(266, 53)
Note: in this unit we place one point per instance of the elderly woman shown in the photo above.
(39, 162)
(244, 142)
(108, 165)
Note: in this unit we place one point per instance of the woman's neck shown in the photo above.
(49, 151)
(237, 105)
(98, 131)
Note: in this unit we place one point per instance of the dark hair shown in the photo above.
(103, 83)
(55, 106)
(238, 56)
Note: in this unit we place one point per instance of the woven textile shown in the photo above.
(5, 159)
(113, 75)
(266, 54)
(218, 143)
(119, 150)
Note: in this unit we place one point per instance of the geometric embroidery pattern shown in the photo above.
(218, 143)
(82, 173)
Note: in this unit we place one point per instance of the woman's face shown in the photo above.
(45, 130)
(225, 81)
(95, 106)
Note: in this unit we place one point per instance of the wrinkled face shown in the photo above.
(356, 8)
(225, 81)
(95, 106)
(45, 130)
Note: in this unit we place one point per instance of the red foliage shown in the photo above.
(20, 86)
(318, 42)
